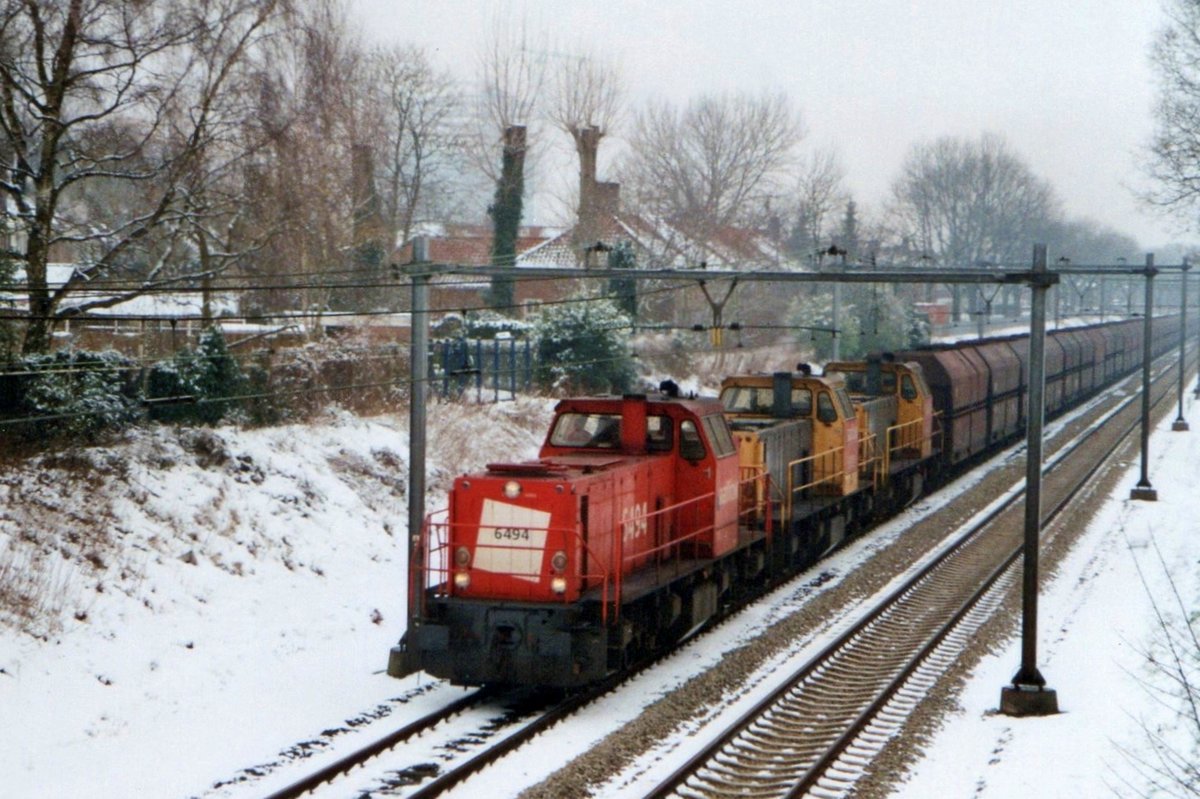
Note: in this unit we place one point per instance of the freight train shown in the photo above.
(644, 517)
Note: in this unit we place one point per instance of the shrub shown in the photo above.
(582, 348)
(201, 386)
(487, 324)
(76, 394)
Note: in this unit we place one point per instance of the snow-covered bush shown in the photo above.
(76, 394)
(196, 386)
(487, 324)
(582, 347)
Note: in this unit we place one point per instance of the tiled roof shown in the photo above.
(657, 241)
(468, 247)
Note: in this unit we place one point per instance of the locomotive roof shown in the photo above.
(766, 379)
(699, 406)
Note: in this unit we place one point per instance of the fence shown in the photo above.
(494, 369)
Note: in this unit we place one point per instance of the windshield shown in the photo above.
(603, 431)
(759, 399)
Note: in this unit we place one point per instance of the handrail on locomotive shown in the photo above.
(432, 575)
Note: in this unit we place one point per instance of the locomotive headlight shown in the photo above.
(462, 580)
(559, 585)
(462, 557)
(512, 489)
(559, 562)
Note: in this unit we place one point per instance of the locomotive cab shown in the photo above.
(815, 413)
(533, 554)
(894, 401)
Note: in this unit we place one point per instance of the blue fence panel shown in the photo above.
(501, 368)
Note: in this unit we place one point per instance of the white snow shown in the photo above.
(1097, 626)
(166, 677)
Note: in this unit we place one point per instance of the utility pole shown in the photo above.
(1028, 694)
(401, 660)
(1180, 423)
(1143, 490)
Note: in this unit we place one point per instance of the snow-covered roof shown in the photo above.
(155, 303)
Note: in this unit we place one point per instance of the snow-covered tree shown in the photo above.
(582, 348)
(75, 394)
(114, 118)
(201, 385)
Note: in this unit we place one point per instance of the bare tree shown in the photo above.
(713, 163)
(99, 97)
(970, 201)
(417, 144)
(819, 191)
(586, 91)
(510, 76)
(1175, 149)
(317, 177)
(586, 100)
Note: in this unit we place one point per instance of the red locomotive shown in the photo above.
(552, 571)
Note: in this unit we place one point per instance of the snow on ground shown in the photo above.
(253, 582)
(1097, 628)
(215, 596)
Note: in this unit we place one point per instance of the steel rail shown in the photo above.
(346, 763)
(1006, 567)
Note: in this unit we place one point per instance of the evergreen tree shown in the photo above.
(79, 394)
(506, 216)
(582, 348)
(200, 386)
(623, 290)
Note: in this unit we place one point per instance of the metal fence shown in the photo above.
(490, 370)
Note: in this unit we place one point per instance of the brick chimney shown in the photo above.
(587, 143)
(606, 200)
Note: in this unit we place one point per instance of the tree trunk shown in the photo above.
(506, 215)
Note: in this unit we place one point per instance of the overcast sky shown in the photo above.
(1068, 83)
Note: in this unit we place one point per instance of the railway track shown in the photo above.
(511, 721)
(816, 733)
(404, 733)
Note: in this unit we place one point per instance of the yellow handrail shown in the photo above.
(834, 475)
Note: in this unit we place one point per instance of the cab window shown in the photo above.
(825, 410)
(801, 402)
(847, 405)
(659, 434)
(718, 435)
(691, 446)
(908, 389)
(747, 399)
(587, 430)
(887, 382)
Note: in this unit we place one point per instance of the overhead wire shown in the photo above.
(174, 320)
(265, 316)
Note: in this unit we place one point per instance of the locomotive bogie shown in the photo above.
(480, 642)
